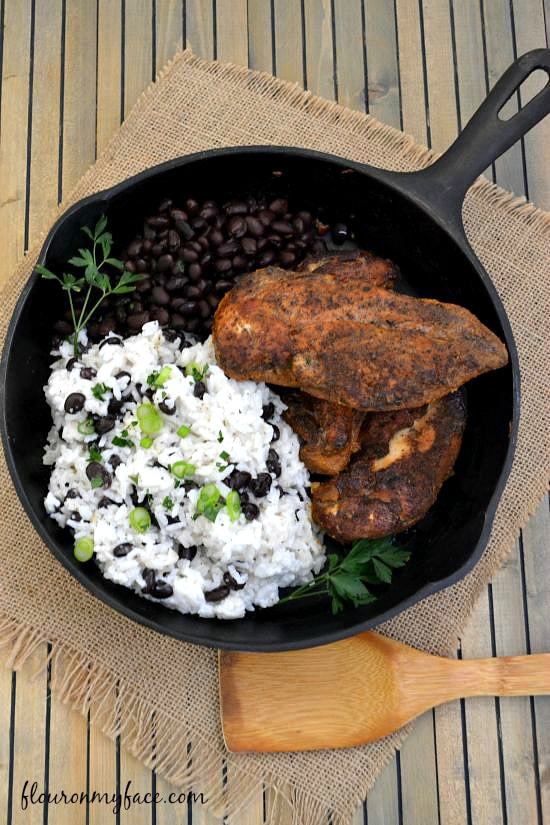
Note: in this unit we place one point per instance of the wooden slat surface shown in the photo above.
(70, 71)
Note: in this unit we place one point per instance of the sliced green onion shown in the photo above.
(196, 370)
(150, 420)
(183, 431)
(84, 549)
(146, 442)
(163, 376)
(181, 469)
(208, 497)
(167, 503)
(140, 519)
(86, 427)
(233, 504)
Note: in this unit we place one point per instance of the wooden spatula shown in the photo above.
(354, 691)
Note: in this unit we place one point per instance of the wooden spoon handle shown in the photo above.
(504, 676)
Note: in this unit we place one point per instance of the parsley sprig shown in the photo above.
(94, 262)
(370, 561)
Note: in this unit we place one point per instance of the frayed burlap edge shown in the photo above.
(116, 707)
(155, 737)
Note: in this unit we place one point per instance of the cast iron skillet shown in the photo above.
(413, 218)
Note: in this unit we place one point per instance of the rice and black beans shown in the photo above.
(183, 484)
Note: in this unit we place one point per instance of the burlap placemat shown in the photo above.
(140, 684)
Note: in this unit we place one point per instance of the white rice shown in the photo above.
(279, 548)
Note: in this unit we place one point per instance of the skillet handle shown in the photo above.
(485, 137)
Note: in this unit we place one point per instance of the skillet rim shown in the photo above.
(454, 229)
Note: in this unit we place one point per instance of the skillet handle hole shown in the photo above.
(534, 83)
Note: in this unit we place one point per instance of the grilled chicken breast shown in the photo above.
(395, 478)
(340, 339)
(329, 432)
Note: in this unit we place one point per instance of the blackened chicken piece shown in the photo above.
(329, 432)
(375, 271)
(395, 478)
(336, 338)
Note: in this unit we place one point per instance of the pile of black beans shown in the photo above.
(190, 254)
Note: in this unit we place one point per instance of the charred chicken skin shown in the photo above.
(337, 337)
(395, 478)
(329, 432)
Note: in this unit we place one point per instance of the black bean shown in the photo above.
(178, 321)
(111, 341)
(75, 516)
(187, 307)
(236, 208)
(173, 239)
(228, 248)
(104, 424)
(204, 309)
(192, 206)
(222, 265)
(236, 226)
(199, 389)
(249, 246)
(189, 255)
(213, 300)
(74, 402)
(130, 266)
(144, 285)
(194, 272)
(268, 411)
(261, 485)
(174, 283)
(279, 206)
(190, 485)
(255, 226)
(283, 227)
(123, 374)
(193, 292)
(164, 262)
(238, 479)
(63, 328)
(149, 233)
(239, 262)
(136, 320)
(198, 224)
(88, 373)
(184, 228)
(158, 221)
(115, 405)
(97, 470)
(208, 325)
(217, 594)
(161, 590)
(160, 296)
(266, 257)
(340, 233)
(115, 461)
(122, 549)
(276, 433)
(266, 216)
(273, 464)
(250, 511)
(171, 335)
(215, 238)
(70, 364)
(187, 552)
(169, 408)
(231, 582)
(286, 258)
(149, 578)
(209, 212)
(165, 205)
(71, 494)
(133, 249)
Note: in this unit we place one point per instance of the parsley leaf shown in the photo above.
(344, 580)
(220, 436)
(224, 455)
(167, 503)
(122, 442)
(95, 454)
(96, 482)
(99, 390)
